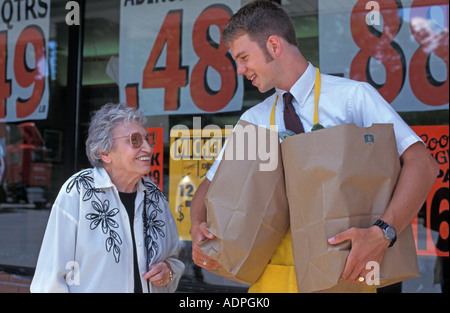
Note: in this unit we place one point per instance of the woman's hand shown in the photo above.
(159, 274)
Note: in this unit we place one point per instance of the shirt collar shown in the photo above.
(101, 178)
(303, 86)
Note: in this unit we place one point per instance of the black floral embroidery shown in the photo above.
(103, 215)
(153, 227)
(84, 180)
(153, 196)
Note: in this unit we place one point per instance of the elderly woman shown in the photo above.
(110, 230)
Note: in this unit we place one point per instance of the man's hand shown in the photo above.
(367, 244)
(419, 171)
(199, 231)
(197, 255)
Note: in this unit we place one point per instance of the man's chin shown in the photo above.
(264, 90)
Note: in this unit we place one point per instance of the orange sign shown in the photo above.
(435, 211)
(156, 170)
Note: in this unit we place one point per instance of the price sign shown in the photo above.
(173, 59)
(399, 47)
(24, 33)
(435, 212)
(192, 154)
(156, 165)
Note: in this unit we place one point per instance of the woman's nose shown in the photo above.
(147, 147)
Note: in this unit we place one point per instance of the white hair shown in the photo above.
(102, 123)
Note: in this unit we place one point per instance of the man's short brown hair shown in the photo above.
(260, 19)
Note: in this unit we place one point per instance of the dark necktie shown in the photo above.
(291, 119)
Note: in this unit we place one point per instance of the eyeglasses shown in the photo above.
(137, 139)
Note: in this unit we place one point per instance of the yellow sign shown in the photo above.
(192, 152)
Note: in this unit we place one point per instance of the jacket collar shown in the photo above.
(102, 180)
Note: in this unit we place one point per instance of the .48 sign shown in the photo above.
(188, 63)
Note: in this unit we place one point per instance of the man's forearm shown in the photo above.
(419, 171)
(198, 207)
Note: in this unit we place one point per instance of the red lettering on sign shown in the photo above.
(26, 76)
(173, 75)
(435, 211)
(156, 166)
(427, 89)
(5, 84)
(212, 55)
(380, 46)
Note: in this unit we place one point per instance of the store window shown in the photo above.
(186, 78)
(33, 96)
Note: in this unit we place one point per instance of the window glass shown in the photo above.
(37, 142)
(33, 85)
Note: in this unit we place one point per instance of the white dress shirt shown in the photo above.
(341, 101)
(88, 245)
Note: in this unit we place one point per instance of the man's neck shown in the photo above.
(294, 66)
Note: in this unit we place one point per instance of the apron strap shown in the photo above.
(316, 103)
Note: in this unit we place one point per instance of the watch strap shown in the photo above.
(383, 225)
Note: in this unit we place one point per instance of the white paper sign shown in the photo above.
(172, 59)
(400, 47)
(24, 35)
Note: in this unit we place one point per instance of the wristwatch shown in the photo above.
(389, 231)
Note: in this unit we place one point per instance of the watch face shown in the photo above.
(390, 233)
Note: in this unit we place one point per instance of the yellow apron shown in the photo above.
(279, 275)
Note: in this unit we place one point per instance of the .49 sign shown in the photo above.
(28, 73)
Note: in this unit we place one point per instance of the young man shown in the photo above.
(262, 40)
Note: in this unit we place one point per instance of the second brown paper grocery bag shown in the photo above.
(246, 203)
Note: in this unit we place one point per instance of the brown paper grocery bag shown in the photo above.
(338, 178)
(246, 204)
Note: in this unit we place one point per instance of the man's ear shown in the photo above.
(274, 46)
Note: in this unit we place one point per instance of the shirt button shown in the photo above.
(139, 244)
(136, 220)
